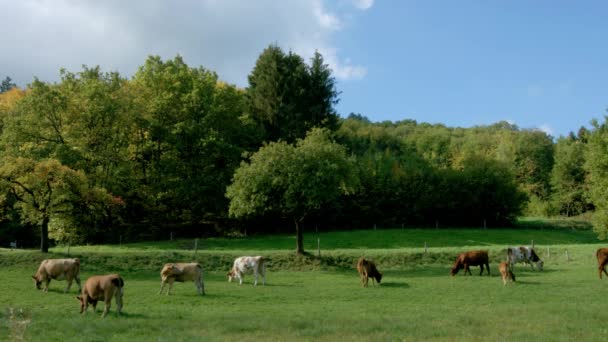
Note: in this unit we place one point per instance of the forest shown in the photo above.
(98, 157)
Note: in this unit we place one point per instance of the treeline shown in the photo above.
(97, 157)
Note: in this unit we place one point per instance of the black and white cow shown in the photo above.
(525, 255)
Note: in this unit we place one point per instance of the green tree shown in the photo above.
(292, 180)
(596, 165)
(568, 177)
(44, 190)
(7, 85)
(288, 98)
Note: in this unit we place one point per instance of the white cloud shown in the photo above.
(363, 4)
(546, 128)
(225, 36)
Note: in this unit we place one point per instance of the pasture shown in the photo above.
(321, 298)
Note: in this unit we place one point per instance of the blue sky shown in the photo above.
(537, 63)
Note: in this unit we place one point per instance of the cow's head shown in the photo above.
(540, 264)
(37, 282)
(231, 275)
(82, 303)
(378, 277)
(457, 266)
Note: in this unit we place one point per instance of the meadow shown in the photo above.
(320, 297)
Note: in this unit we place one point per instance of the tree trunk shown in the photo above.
(299, 237)
(44, 235)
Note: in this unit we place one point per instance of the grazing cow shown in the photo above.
(245, 264)
(367, 269)
(181, 272)
(58, 269)
(524, 254)
(471, 258)
(102, 287)
(602, 260)
(505, 272)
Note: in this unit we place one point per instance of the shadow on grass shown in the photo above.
(527, 282)
(401, 285)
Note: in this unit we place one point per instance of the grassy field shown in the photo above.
(320, 298)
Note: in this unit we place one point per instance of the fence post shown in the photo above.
(567, 256)
(120, 240)
(532, 242)
(425, 247)
(68, 249)
(195, 247)
(484, 224)
(436, 224)
(171, 236)
(374, 226)
(548, 252)
(319, 247)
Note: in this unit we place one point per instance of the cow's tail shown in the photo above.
(118, 282)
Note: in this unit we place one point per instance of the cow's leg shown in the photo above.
(170, 286)
(467, 269)
(46, 284)
(603, 270)
(480, 269)
(263, 274)
(94, 304)
(198, 284)
(119, 293)
(108, 304)
(240, 275)
(77, 278)
(488, 268)
(162, 285)
(67, 288)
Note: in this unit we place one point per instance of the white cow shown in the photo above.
(58, 269)
(524, 254)
(246, 264)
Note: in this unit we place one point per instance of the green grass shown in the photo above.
(321, 298)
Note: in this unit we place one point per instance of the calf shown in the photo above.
(182, 272)
(102, 287)
(524, 254)
(367, 269)
(58, 269)
(245, 264)
(505, 272)
(471, 258)
(602, 260)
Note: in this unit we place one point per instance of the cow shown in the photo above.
(471, 258)
(245, 264)
(524, 254)
(102, 287)
(181, 272)
(58, 269)
(506, 273)
(367, 269)
(602, 260)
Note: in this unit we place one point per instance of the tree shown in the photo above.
(44, 190)
(596, 165)
(288, 98)
(568, 177)
(292, 180)
(7, 85)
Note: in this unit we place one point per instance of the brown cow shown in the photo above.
(471, 258)
(366, 269)
(602, 260)
(58, 269)
(506, 273)
(180, 272)
(102, 287)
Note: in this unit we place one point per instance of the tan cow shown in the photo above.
(181, 272)
(506, 273)
(102, 287)
(58, 269)
(367, 269)
(602, 260)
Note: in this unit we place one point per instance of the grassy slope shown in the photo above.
(417, 300)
